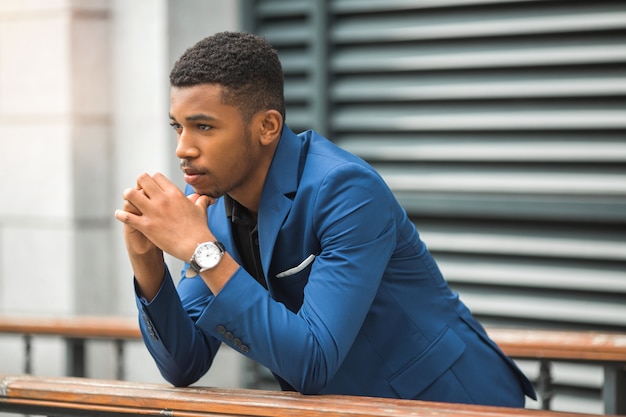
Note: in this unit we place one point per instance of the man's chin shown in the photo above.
(211, 194)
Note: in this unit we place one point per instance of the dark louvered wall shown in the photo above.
(501, 128)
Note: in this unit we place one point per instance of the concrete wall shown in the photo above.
(83, 111)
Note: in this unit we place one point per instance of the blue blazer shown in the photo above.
(356, 304)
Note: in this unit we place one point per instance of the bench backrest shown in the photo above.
(518, 343)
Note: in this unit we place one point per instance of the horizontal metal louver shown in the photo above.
(501, 128)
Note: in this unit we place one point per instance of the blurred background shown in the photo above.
(499, 124)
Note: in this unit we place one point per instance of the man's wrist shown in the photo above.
(217, 277)
(149, 270)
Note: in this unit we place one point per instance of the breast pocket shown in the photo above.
(296, 269)
(288, 285)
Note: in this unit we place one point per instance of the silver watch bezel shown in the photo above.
(206, 256)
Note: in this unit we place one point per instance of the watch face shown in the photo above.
(208, 255)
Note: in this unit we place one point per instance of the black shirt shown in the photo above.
(246, 237)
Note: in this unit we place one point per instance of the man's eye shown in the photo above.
(204, 128)
(175, 126)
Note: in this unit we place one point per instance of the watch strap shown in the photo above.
(194, 266)
(220, 245)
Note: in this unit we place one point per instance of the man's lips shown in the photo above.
(192, 176)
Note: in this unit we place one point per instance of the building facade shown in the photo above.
(499, 124)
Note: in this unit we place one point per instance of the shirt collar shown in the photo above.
(237, 213)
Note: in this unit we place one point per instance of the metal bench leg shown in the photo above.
(76, 357)
(614, 389)
(545, 384)
(119, 348)
(28, 354)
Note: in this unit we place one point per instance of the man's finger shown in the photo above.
(204, 201)
(126, 217)
(136, 197)
(163, 182)
(148, 185)
(193, 197)
(201, 200)
(131, 208)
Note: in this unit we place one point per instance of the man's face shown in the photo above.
(217, 151)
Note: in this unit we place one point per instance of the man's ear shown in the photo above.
(271, 126)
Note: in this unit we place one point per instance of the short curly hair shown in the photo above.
(245, 65)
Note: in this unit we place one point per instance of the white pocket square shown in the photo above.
(298, 268)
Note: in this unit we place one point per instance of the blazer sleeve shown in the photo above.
(352, 216)
(182, 351)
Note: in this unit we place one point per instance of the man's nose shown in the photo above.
(185, 148)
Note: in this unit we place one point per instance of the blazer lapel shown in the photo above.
(282, 180)
(270, 220)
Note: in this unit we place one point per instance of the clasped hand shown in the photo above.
(156, 214)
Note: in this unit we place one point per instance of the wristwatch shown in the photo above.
(206, 256)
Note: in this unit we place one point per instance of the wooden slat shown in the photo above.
(80, 327)
(562, 345)
(99, 397)
(518, 343)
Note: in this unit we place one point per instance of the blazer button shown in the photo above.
(229, 336)
(220, 329)
(237, 342)
(244, 348)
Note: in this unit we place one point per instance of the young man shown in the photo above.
(297, 253)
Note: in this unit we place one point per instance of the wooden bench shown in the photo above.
(75, 330)
(67, 396)
(605, 349)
